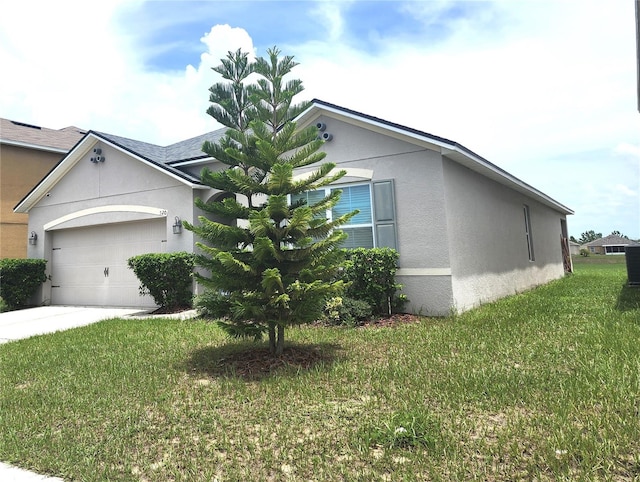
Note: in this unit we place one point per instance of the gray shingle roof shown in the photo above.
(612, 240)
(192, 148)
(180, 151)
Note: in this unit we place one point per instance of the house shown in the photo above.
(27, 153)
(574, 248)
(612, 244)
(467, 231)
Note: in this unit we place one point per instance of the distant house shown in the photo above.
(574, 248)
(27, 153)
(467, 231)
(611, 244)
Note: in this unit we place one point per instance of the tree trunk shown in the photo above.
(280, 344)
(272, 338)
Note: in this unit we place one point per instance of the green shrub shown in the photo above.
(341, 310)
(213, 304)
(167, 277)
(19, 280)
(371, 274)
(584, 252)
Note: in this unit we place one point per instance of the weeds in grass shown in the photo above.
(403, 430)
(544, 385)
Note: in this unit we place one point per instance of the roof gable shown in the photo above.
(150, 155)
(448, 148)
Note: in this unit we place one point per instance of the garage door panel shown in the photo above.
(89, 265)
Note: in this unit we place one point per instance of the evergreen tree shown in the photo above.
(273, 263)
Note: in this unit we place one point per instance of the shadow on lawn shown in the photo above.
(251, 361)
(628, 298)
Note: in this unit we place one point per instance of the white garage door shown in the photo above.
(89, 265)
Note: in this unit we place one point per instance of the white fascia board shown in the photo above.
(72, 158)
(36, 147)
(477, 164)
(149, 163)
(193, 162)
(451, 150)
(51, 179)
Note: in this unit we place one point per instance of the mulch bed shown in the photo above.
(393, 320)
(257, 362)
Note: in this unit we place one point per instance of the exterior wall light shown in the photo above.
(177, 226)
(33, 238)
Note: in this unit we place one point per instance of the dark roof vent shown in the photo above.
(632, 253)
(31, 126)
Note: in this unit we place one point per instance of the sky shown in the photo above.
(545, 89)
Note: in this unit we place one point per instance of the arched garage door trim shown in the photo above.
(128, 208)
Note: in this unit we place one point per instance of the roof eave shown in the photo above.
(73, 157)
(37, 147)
(446, 147)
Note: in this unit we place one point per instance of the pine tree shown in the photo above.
(273, 263)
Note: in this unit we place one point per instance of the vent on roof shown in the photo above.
(26, 125)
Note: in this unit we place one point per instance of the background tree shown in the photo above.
(273, 262)
(589, 236)
(618, 233)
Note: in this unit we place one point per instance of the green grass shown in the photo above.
(544, 385)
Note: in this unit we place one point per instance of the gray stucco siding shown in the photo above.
(421, 226)
(111, 192)
(417, 176)
(488, 245)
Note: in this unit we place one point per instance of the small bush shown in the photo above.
(213, 304)
(371, 277)
(584, 252)
(346, 311)
(19, 280)
(167, 277)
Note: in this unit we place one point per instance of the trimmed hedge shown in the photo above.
(371, 274)
(19, 280)
(167, 277)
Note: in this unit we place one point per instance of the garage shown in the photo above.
(89, 264)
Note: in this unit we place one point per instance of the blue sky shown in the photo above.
(545, 89)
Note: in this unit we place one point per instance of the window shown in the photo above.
(374, 225)
(527, 229)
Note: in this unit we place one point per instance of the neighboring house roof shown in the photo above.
(612, 240)
(36, 137)
(448, 148)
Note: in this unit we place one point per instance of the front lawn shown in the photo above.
(543, 385)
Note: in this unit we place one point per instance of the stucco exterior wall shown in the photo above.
(21, 169)
(487, 238)
(109, 192)
(419, 197)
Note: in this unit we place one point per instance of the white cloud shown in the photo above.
(521, 83)
(625, 190)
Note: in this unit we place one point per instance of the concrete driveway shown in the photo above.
(15, 325)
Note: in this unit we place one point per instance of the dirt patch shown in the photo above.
(252, 363)
(393, 320)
